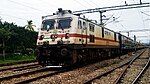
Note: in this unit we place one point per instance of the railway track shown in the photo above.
(110, 75)
(17, 69)
(41, 76)
(79, 76)
(62, 76)
(92, 73)
(94, 80)
(34, 75)
(15, 63)
(134, 70)
(145, 78)
(16, 78)
(20, 67)
(141, 72)
(144, 75)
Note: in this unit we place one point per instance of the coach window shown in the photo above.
(79, 24)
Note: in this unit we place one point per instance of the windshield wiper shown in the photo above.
(61, 27)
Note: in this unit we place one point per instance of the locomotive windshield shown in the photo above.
(48, 24)
(64, 23)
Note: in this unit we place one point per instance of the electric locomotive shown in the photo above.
(66, 39)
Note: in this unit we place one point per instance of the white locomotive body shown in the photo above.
(67, 39)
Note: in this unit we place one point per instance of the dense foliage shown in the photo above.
(14, 38)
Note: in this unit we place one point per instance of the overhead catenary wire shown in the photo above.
(145, 13)
(48, 4)
(19, 11)
(13, 16)
(94, 3)
(105, 23)
(139, 12)
(88, 3)
(80, 3)
(25, 5)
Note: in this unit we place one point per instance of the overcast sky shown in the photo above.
(19, 11)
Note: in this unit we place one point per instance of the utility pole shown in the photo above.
(135, 43)
(101, 17)
(140, 1)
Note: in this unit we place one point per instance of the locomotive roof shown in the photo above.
(96, 24)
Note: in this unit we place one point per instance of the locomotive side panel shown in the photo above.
(92, 34)
(66, 39)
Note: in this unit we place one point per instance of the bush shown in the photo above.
(16, 58)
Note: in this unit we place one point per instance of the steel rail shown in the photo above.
(119, 78)
(13, 63)
(4, 69)
(40, 77)
(22, 74)
(142, 71)
(65, 69)
(27, 67)
(109, 71)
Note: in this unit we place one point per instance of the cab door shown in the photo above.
(84, 33)
(91, 33)
(82, 30)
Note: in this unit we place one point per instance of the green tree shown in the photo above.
(15, 38)
(5, 36)
(30, 25)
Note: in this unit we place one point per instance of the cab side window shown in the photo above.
(84, 25)
(79, 24)
(91, 27)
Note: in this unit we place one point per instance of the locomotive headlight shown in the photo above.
(66, 35)
(54, 36)
(41, 37)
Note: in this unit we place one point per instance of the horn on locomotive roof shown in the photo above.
(59, 9)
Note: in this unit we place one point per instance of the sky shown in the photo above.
(19, 11)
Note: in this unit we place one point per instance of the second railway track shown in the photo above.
(19, 67)
(28, 76)
(133, 71)
(114, 75)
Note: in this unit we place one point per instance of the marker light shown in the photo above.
(66, 35)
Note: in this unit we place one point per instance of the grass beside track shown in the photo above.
(16, 58)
